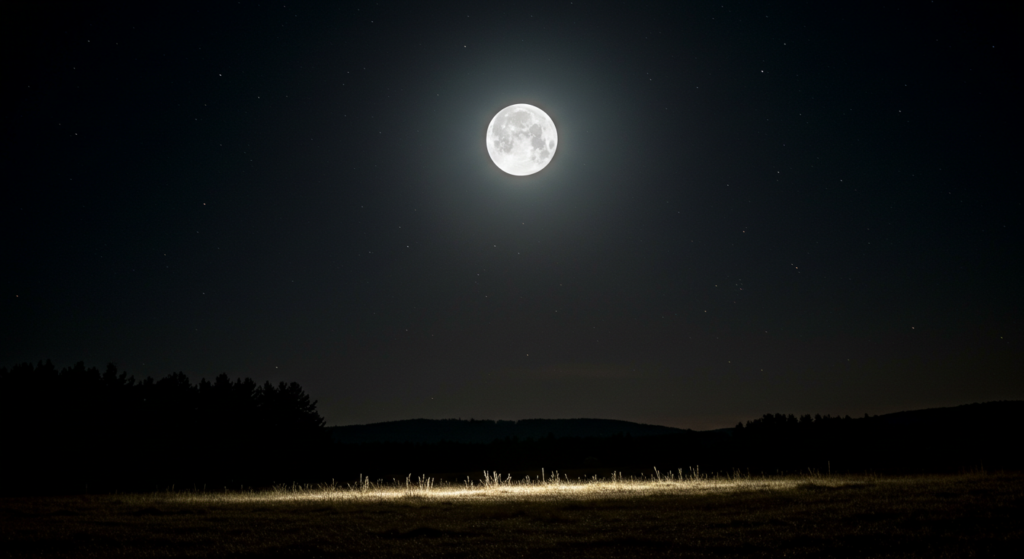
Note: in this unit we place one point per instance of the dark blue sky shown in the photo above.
(754, 207)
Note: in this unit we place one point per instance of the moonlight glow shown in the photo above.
(521, 139)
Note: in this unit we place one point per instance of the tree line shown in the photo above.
(78, 428)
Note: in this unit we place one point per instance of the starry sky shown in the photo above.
(803, 207)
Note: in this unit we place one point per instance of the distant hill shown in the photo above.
(984, 416)
(428, 431)
(968, 417)
(938, 440)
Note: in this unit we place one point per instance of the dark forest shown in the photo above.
(79, 430)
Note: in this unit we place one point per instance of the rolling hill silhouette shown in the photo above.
(977, 417)
(936, 440)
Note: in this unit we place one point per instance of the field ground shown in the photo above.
(971, 515)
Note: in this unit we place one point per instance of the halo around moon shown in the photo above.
(521, 139)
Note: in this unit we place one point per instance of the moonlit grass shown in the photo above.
(498, 488)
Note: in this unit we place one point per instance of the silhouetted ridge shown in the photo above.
(427, 431)
(77, 429)
(932, 440)
(971, 416)
(964, 418)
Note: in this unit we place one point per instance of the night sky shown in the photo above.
(805, 207)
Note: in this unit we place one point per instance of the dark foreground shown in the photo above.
(977, 515)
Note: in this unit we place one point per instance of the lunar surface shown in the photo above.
(521, 139)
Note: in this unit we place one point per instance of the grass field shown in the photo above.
(971, 515)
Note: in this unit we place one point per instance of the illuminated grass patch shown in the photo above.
(971, 515)
(495, 487)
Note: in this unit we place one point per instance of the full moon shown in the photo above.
(521, 139)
